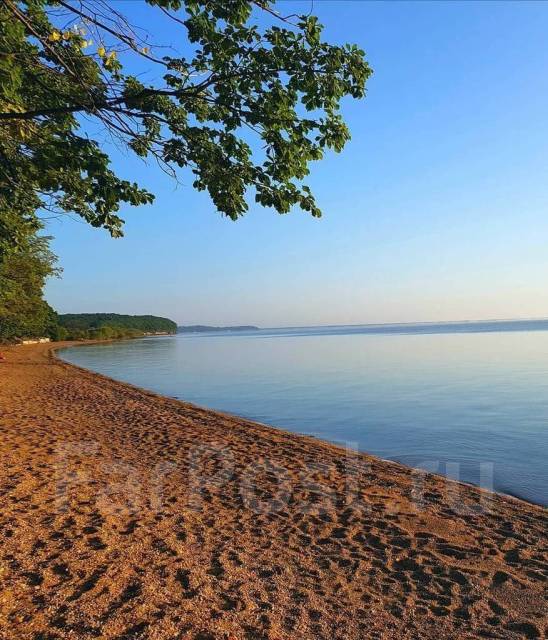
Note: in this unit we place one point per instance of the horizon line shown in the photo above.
(370, 324)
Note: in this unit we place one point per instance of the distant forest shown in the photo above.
(202, 328)
(79, 326)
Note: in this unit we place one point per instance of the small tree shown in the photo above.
(276, 88)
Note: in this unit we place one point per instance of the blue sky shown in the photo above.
(436, 210)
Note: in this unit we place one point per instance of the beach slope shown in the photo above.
(126, 515)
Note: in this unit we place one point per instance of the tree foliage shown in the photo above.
(249, 109)
(97, 321)
(23, 311)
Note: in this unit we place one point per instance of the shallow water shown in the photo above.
(467, 400)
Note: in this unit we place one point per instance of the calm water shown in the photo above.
(425, 395)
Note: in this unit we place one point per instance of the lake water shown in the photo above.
(470, 398)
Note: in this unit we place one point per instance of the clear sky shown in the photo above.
(436, 210)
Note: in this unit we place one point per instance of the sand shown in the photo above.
(128, 515)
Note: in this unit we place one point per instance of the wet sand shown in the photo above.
(126, 515)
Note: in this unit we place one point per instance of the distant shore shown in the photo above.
(124, 514)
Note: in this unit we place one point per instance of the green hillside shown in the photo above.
(112, 325)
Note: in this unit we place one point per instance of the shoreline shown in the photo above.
(127, 514)
(234, 416)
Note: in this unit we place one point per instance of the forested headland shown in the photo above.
(107, 326)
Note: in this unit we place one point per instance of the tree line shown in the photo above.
(23, 311)
(107, 326)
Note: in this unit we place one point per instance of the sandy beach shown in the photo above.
(126, 515)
